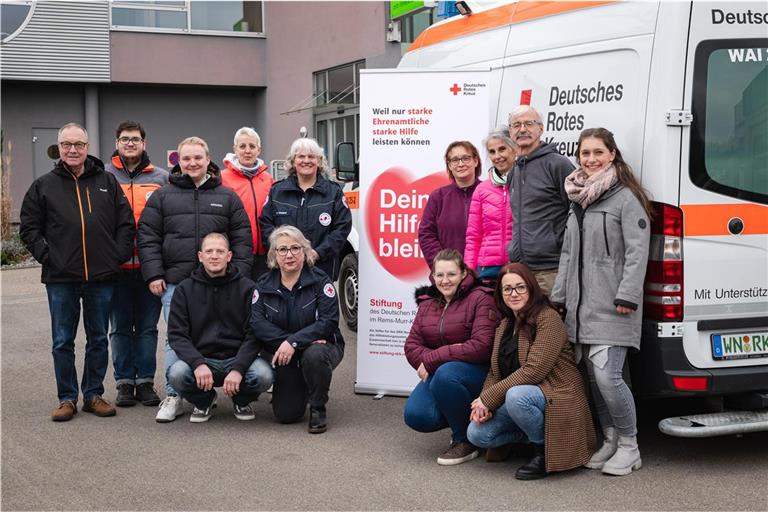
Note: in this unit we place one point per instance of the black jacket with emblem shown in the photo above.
(321, 213)
(179, 215)
(80, 229)
(315, 305)
(209, 318)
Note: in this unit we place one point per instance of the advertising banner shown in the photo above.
(407, 119)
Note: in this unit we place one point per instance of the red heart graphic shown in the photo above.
(393, 213)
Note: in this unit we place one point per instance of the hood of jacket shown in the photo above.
(184, 181)
(91, 165)
(427, 292)
(231, 163)
(542, 150)
(144, 164)
(199, 275)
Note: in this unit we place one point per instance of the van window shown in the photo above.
(729, 134)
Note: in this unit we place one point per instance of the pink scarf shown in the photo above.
(585, 189)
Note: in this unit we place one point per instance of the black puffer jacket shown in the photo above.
(321, 213)
(179, 215)
(314, 302)
(80, 229)
(210, 318)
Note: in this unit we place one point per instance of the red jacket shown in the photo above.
(461, 331)
(253, 192)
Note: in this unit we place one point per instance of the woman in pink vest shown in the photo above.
(489, 226)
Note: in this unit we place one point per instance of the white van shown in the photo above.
(684, 88)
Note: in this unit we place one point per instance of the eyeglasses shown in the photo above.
(453, 162)
(284, 250)
(132, 140)
(521, 289)
(528, 124)
(447, 275)
(66, 146)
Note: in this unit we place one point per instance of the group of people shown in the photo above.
(538, 277)
(241, 268)
(536, 299)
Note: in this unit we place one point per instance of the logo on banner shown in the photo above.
(329, 290)
(455, 89)
(393, 214)
(325, 218)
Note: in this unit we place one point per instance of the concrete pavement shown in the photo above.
(368, 459)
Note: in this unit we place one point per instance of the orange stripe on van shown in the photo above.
(712, 219)
(516, 12)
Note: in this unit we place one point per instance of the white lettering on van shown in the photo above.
(746, 54)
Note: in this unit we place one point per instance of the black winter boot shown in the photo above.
(317, 420)
(535, 468)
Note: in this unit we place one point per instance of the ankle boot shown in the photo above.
(535, 468)
(626, 459)
(610, 443)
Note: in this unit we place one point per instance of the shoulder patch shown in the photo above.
(329, 290)
(324, 218)
(255, 297)
(641, 223)
(492, 316)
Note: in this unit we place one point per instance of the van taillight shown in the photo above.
(690, 383)
(664, 279)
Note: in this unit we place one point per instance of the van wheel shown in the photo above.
(348, 290)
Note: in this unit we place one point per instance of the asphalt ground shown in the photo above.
(368, 459)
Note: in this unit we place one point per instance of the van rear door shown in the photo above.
(724, 187)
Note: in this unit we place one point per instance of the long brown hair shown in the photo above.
(472, 151)
(525, 319)
(623, 171)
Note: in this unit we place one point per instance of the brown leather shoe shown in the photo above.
(99, 407)
(65, 411)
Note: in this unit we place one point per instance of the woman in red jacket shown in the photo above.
(248, 175)
(450, 346)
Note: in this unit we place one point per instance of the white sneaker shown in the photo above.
(203, 415)
(170, 408)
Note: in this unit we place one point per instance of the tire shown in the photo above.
(348, 290)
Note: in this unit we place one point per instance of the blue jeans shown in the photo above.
(444, 399)
(257, 379)
(64, 305)
(519, 420)
(135, 312)
(170, 356)
(612, 397)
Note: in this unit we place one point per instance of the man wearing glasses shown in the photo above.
(76, 221)
(135, 310)
(537, 197)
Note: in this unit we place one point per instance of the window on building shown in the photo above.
(413, 25)
(337, 106)
(202, 17)
(13, 16)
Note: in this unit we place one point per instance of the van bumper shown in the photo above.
(661, 360)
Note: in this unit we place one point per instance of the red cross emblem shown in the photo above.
(455, 89)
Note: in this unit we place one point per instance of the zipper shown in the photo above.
(197, 220)
(605, 236)
(82, 226)
(88, 199)
(133, 212)
(440, 324)
(257, 228)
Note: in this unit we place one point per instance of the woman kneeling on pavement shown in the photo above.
(533, 392)
(295, 313)
(449, 346)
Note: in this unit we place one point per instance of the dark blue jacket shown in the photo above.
(315, 304)
(320, 213)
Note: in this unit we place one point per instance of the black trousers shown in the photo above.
(306, 379)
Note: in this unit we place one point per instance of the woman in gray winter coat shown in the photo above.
(600, 281)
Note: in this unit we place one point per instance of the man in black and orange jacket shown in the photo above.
(75, 220)
(135, 310)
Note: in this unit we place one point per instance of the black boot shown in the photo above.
(125, 395)
(535, 468)
(317, 422)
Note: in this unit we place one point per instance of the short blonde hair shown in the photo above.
(250, 132)
(194, 141)
(309, 146)
(291, 232)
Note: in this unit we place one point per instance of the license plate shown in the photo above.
(743, 345)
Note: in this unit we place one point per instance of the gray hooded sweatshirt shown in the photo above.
(603, 265)
(539, 207)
